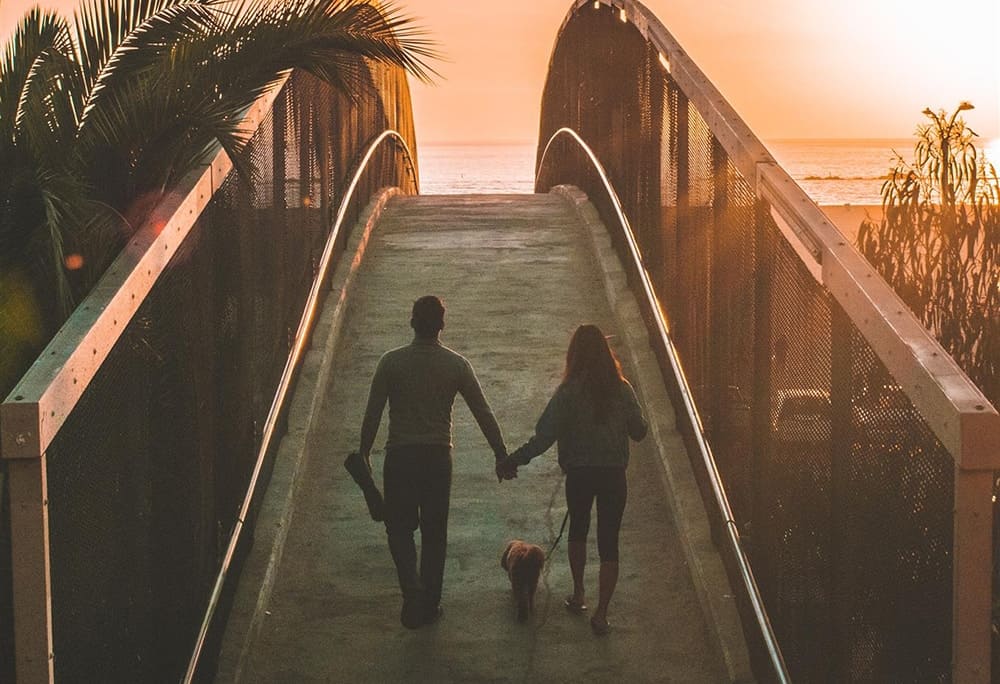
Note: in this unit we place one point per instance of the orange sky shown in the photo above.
(791, 68)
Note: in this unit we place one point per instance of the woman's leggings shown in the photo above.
(609, 486)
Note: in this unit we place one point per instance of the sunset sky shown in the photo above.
(791, 68)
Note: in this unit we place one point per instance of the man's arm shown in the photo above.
(377, 396)
(471, 391)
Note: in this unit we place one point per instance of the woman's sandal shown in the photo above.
(573, 606)
(599, 627)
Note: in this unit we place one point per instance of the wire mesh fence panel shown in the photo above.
(791, 524)
(148, 474)
(734, 326)
(892, 590)
(842, 492)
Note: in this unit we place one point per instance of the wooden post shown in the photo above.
(842, 392)
(651, 178)
(760, 471)
(718, 343)
(29, 524)
(683, 225)
(972, 579)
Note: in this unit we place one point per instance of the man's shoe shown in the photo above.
(413, 614)
(433, 614)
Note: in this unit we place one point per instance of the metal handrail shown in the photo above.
(287, 377)
(662, 329)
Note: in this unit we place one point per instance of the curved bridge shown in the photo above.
(814, 502)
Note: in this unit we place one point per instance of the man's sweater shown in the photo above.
(420, 382)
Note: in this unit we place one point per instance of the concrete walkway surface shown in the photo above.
(517, 276)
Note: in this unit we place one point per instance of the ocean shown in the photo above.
(832, 172)
(472, 169)
(836, 172)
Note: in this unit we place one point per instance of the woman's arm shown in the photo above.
(635, 420)
(546, 432)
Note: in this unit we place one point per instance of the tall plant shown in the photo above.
(938, 242)
(101, 115)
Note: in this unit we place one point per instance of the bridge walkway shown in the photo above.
(517, 276)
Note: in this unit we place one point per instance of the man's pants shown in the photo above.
(417, 483)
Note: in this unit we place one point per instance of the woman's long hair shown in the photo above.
(590, 360)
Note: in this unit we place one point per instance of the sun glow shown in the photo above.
(992, 149)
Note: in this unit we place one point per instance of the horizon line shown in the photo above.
(515, 142)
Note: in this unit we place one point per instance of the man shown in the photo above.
(420, 382)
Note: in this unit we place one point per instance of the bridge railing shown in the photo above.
(135, 441)
(856, 458)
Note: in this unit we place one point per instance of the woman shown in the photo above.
(592, 414)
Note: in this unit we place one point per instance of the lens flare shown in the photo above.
(21, 331)
(74, 262)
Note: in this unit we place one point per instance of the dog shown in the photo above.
(523, 563)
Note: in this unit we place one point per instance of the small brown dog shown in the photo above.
(523, 563)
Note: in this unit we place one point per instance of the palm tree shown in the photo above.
(100, 115)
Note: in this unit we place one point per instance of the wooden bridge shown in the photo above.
(177, 505)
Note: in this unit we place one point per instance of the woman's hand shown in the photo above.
(506, 469)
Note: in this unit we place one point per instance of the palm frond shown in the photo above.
(40, 37)
(176, 92)
(51, 253)
(46, 114)
(305, 33)
(121, 104)
(147, 47)
(101, 26)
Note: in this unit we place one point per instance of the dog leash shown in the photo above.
(562, 528)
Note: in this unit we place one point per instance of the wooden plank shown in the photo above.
(29, 524)
(972, 578)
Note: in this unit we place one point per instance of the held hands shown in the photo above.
(506, 469)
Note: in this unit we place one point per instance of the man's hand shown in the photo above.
(506, 469)
(361, 473)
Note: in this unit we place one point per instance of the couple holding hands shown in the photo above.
(591, 416)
